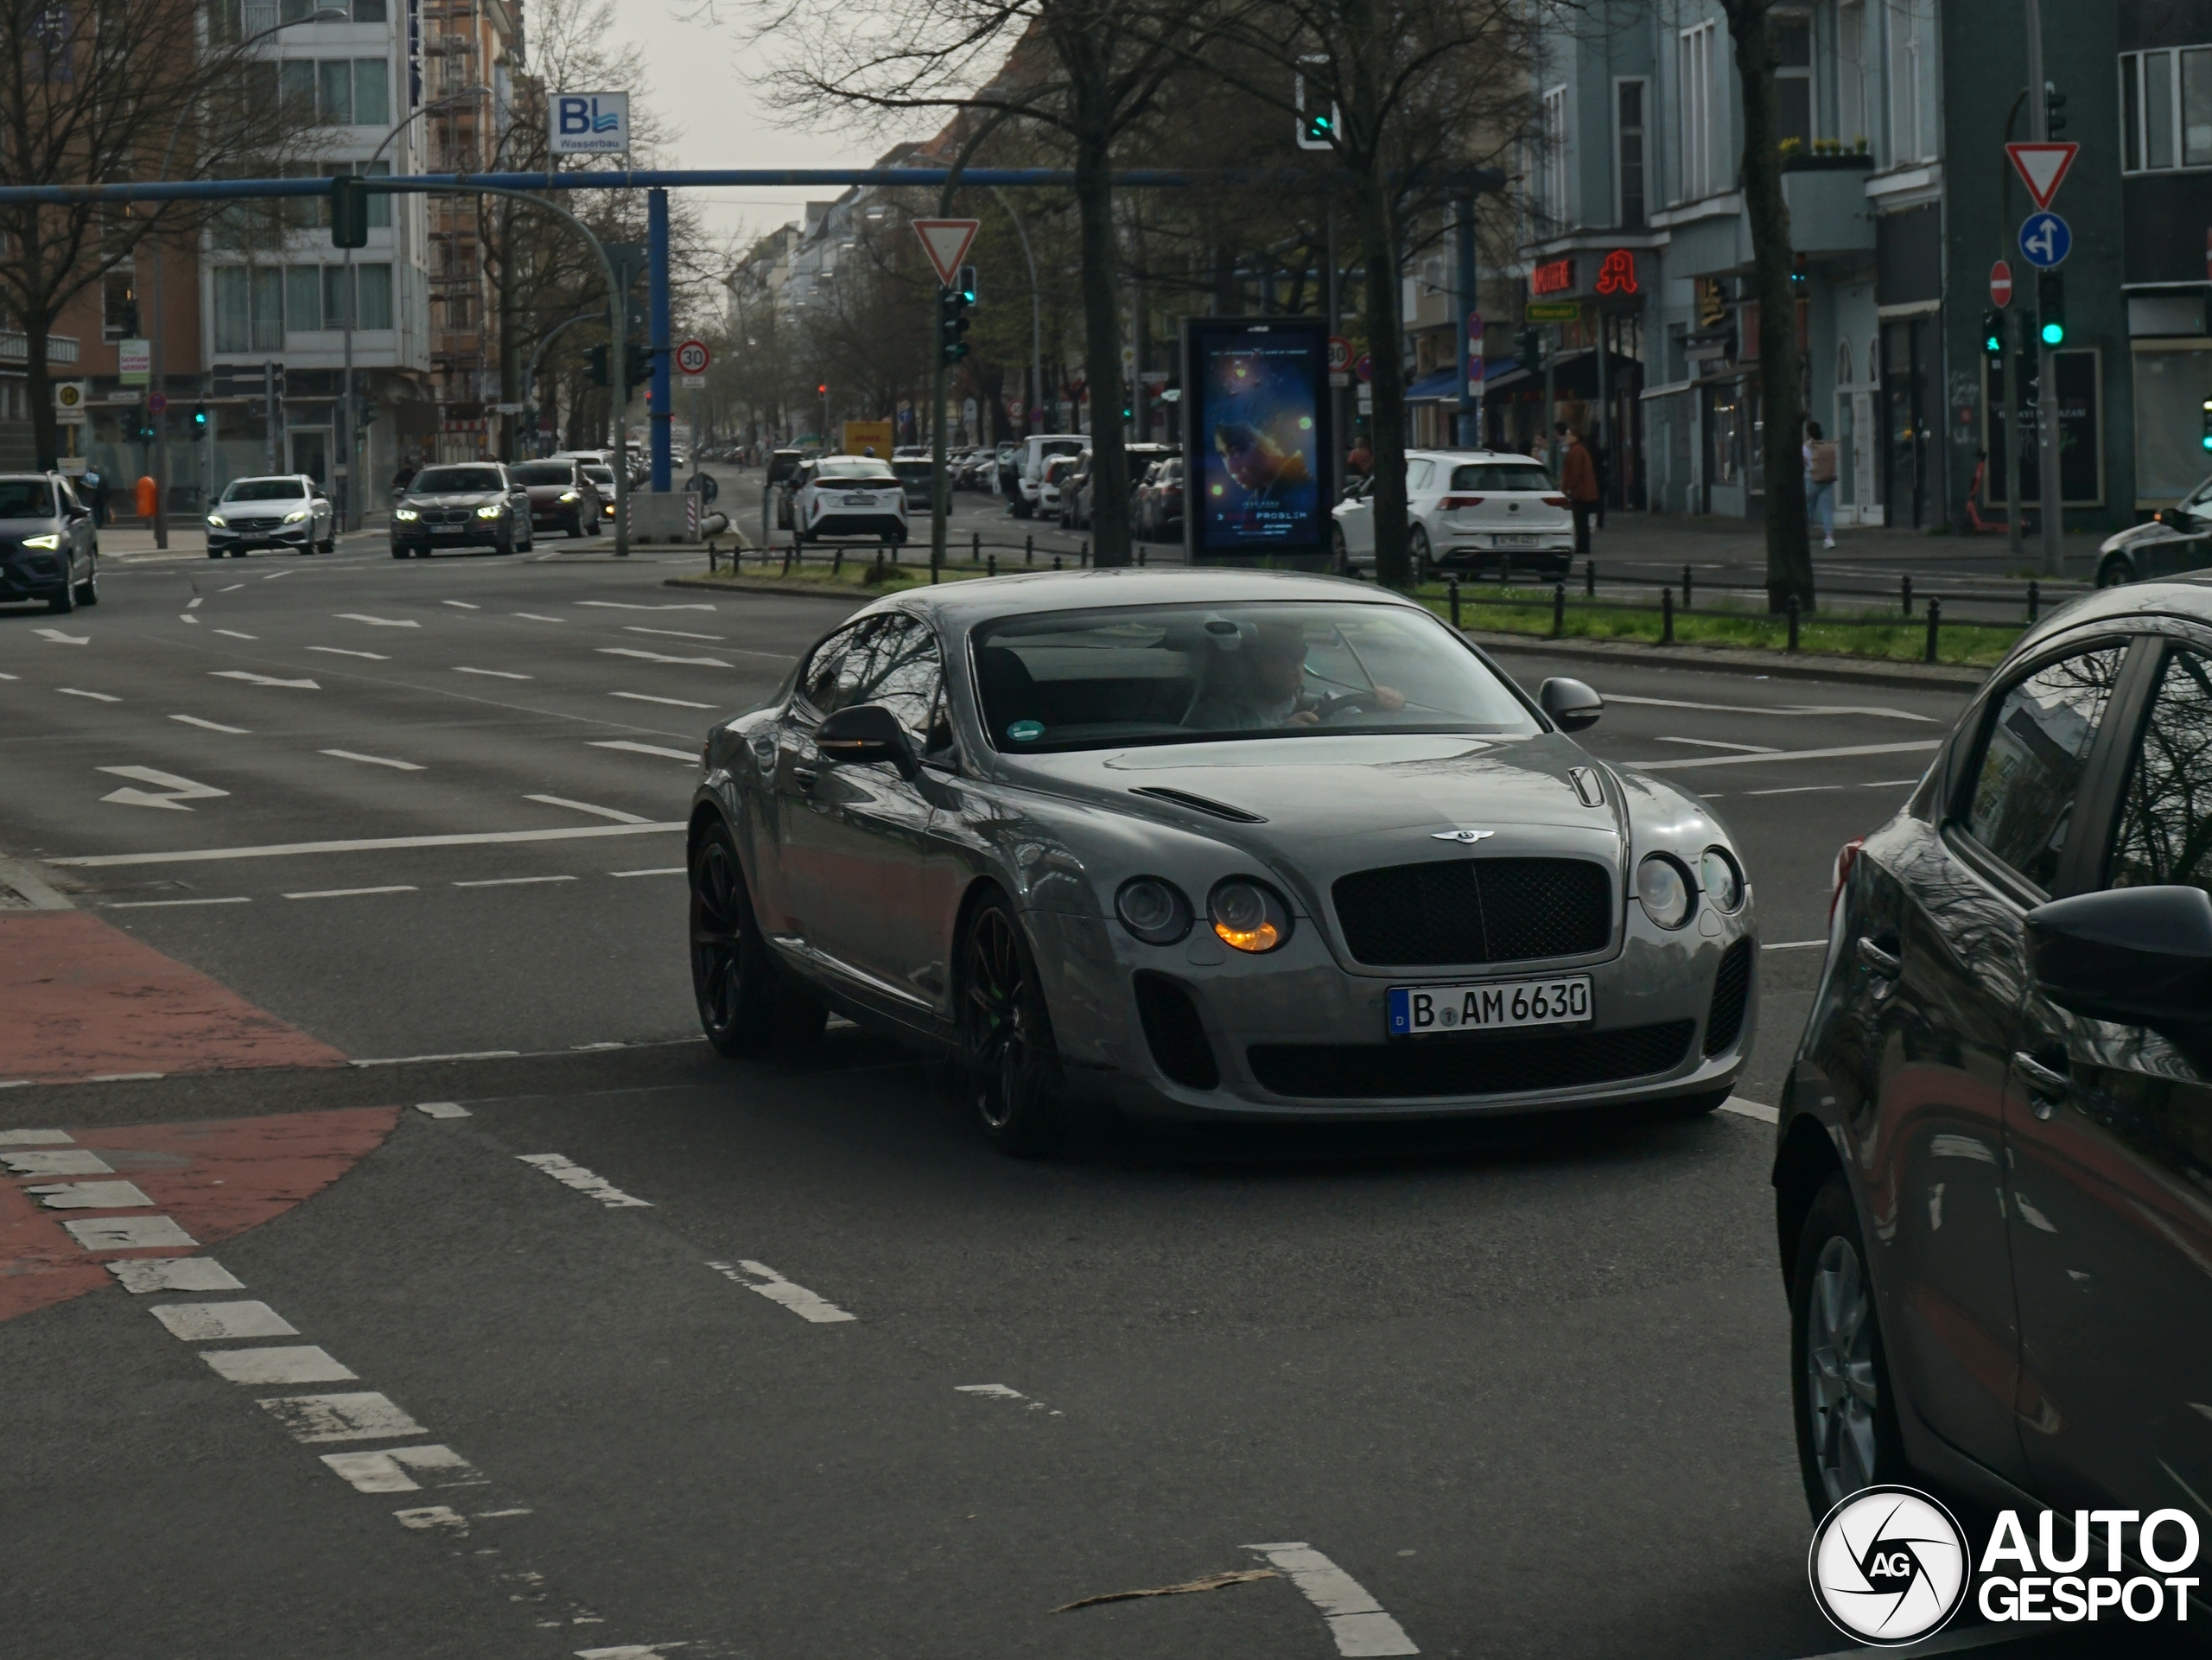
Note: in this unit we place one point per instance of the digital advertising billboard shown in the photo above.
(1257, 434)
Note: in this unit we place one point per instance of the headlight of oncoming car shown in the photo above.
(50, 540)
(1248, 916)
(1664, 888)
(405, 515)
(1153, 910)
(1723, 879)
(570, 496)
(298, 516)
(217, 522)
(491, 510)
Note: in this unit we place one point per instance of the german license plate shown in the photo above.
(1491, 1005)
(1518, 541)
(860, 501)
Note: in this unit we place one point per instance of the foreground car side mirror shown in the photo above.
(2136, 955)
(1571, 705)
(866, 732)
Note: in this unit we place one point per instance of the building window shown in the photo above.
(303, 298)
(1793, 79)
(372, 93)
(2166, 104)
(1851, 124)
(249, 308)
(373, 295)
(1911, 42)
(461, 312)
(119, 303)
(1552, 194)
(1697, 49)
(1628, 152)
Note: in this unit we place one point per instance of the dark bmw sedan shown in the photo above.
(48, 549)
(473, 504)
(1993, 1183)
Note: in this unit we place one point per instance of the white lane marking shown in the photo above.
(619, 605)
(1736, 1103)
(1357, 1622)
(571, 1175)
(366, 1416)
(57, 1161)
(177, 790)
(97, 697)
(776, 1288)
(1791, 708)
(232, 588)
(163, 905)
(441, 1110)
(130, 1233)
(10, 677)
(36, 1138)
(514, 882)
(467, 1054)
(274, 574)
(144, 1275)
(394, 1470)
(193, 604)
(616, 814)
(1783, 754)
(377, 622)
(372, 760)
(186, 616)
(368, 844)
(302, 1363)
(494, 674)
(673, 702)
(1715, 743)
(688, 755)
(123, 1078)
(340, 650)
(1000, 1392)
(234, 634)
(349, 892)
(532, 616)
(659, 870)
(219, 1322)
(263, 679)
(212, 726)
(60, 639)
(1794, 945)
(90, 1196)
(672, 634)
(630, 1651)
(1802, 789)
(463, 604)
(660, 657)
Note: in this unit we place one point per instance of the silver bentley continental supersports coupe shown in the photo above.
(1214, 844)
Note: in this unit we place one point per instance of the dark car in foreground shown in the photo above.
(562, 495)
(470, 504)
(2172, 541)
(1993, 1181)
(1211, 845)
(48, 549)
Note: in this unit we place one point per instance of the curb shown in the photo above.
(1725, 659)
(789, 589)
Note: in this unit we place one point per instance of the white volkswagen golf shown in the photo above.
(1470, 511)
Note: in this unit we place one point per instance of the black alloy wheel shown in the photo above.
(65, 598)
(1847, 1434)
(1011, 1074)
(746, 1004)
(1417, 548)
(88, 591)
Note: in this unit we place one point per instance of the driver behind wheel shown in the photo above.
(1256, 678)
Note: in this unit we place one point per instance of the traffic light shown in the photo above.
(349, 212)
(2050, 308)
(2054, 101)
(822, 389)
(1317, 128)
(595, 362)
(951, 325)
(1531, 344)
(639, 367)
(2207, 440)
(1992, 336)
(964, 280)
(198, 420)
(1800, 277)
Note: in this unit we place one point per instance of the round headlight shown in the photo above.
(1248, 917)
(1723, 879)
(1664, 888)
(492, 511)
(1152, 910)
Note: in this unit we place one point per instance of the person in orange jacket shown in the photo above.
(1578, 477)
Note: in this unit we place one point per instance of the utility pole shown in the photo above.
(1471, 349)
(2053, 515)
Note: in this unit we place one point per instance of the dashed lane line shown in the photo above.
(614, 813)
(56, 637)
(164, 905)
(212, 725)
(372, 760)
(571, 1175)
(97, 697)
(462, 604)
(350, 893)
(1715, 743)
(532, 616)
(661, 657)
(1359, 1623)
(689, 756)
(673, 702)
(494, 674)
(1793, 946)
(369, 844)
(234, 634)
(514, 881)
(376, 622)
(1798, 709)
(760, 1278)
(624, 605)
(340, 650)
(195, 603)
(1784, 755)
(186, 616)
(1748, 1108)
(253, 679)
(672, 634)
(1003, 1392)
(659, 870)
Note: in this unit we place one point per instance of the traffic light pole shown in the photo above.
(2016, 529)
(2053, 515)
(940, 493)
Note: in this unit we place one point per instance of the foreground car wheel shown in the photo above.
(745, 1004)
(88, 591)
(2116, 569)
(1847, 1434)
(1011, 1074)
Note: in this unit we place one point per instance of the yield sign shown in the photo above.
(2042, 167)
(946, 241)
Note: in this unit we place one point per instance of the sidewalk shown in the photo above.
(1674, 538)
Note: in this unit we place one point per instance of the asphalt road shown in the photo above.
(1526, 1388)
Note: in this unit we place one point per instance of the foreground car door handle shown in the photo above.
(2048, 1087)
(1872, 957)
(805, 776)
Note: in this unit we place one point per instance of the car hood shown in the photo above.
(553, 491)
(456, 498)
(2143, 535)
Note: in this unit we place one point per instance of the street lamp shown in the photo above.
(157, 366)
(1036, 311)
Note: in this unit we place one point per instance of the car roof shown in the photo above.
(2187, 597)
(272, 478)
(962, 605)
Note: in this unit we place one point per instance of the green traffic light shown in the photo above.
(2054, 333)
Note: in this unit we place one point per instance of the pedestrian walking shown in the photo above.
(1578, 477)
(94, 490)
(1820, 473)
(404, 477)
(1361, 461)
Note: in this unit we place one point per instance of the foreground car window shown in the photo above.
(26, 499)
(265, 490)
(435, 481)
(2031, 769)
(2166, 823)
(1199, 673)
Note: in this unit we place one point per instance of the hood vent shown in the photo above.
(1200, 803)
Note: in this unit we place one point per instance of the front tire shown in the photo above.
(1417, 547)
(1010, 1069)
(2116, 569)
(1845, 1410)
(88, 591)
(746, 1004)
(65, 600)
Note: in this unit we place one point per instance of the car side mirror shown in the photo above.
(865, 733)
(1571, 705)
(2136, 955)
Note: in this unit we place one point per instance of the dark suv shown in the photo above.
(1993, 1182)
(48, 549)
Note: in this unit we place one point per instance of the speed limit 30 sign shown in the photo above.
(691, 357)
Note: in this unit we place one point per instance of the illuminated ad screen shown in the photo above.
(1257, 437)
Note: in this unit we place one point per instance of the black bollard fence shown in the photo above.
(1590, 578)
(1451, 587)
(1935, 622)
(1794, 617)
(1666, 616)
(975, 547)
(993, 568)
(1029, 549)
(1559, 610)
(1140, 552)
(837, 561)
(1686, 587)
(1083, 554)
(2035, 601)
(1056, 562)
(1904, 592)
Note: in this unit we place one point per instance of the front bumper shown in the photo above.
(246, 537)
(28, 576)
(1300, 1021)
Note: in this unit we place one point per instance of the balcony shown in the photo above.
(17, 349)
(1827, 194)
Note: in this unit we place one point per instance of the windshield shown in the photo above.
(26, 499)
(542, 473)
(1503, 476)
(265, 490)
(600, 474)
(1201, 673)
(436, 480)
(852, 469)
(911, 469)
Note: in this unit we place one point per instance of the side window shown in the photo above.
(2032, 764)
(2166, 811)
(1418, 474)
(906, 673)
(833, 672)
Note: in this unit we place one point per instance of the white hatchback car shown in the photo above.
(848, 495)
(1469, 512)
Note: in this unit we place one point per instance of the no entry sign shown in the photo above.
(2001, 284)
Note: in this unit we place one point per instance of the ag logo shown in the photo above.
(1888, 1565)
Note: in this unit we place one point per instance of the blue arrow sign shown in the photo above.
(2044, 240)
